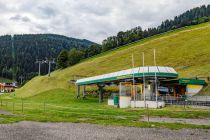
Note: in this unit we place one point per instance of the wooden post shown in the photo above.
(13, 106)
(22, 104)
(44, 107)
(148, 114)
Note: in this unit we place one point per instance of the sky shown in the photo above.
(94, 20)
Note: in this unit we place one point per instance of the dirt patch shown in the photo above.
(205, 121)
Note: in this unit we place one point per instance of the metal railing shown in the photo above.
(179, 100)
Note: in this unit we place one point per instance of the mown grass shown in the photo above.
(60, 105)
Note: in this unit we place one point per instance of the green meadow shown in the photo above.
(61, 106)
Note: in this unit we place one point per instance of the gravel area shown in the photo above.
(204, 121)
(5, 112)
(78, 131)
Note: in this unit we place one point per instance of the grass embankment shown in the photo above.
(205, 91)
(61, 106)
(187, 50)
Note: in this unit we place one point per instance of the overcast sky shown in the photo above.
(87, 19)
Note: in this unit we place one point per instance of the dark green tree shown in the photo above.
(75, 56)
(62, 59)
(92, 50)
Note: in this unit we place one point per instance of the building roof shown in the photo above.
(184, 81)
(7, 84)
(148, 71)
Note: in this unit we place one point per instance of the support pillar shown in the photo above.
(169, 89)
(175, 91)
(84, 91)
(101, 93)
(78, 91)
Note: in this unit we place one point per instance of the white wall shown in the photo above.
(193, 89)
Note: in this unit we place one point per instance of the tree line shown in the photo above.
(68, 58)
(191, 17)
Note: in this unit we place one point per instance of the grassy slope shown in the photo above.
(205, 91)
(187, 50)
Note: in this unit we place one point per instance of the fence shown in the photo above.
(26, 106)
(44, 110)
(183, 100)
(179, 100)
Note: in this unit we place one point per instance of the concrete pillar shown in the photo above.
(101, 94)
(78, 91)
(84, 91)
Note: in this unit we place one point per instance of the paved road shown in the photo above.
(78, 131)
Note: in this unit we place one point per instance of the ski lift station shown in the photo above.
(142, 86)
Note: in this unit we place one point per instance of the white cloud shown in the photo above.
(90, 19)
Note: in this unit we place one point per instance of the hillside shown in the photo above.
(19, 52)
(190, 17)
(187, 50)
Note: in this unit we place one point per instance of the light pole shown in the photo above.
(143, 80)
(156, 86)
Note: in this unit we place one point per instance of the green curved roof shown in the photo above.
(148, 71)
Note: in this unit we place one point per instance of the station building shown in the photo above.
(139, 86)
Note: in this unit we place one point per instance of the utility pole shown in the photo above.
(21, 79)
(134, 92)
(143, 80)
(156, 88)
(39, 62)
(49, 61)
